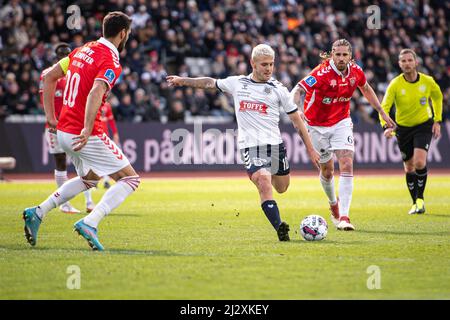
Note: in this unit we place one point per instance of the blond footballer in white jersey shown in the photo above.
(258, 99)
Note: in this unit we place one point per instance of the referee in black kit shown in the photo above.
(418, 121)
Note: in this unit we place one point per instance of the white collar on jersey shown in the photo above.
(333, 66)
(109, 45)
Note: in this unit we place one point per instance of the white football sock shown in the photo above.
(345, 193)
(88, 196)
(112, 199)
(328, 187)
(106, 178)
(60, 177)
(66, 192)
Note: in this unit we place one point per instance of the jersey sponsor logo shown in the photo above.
(342, 99)
(253, 106)
(110, 75)
(310, 81)
(327, 100)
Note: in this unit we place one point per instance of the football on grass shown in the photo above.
(313, 228)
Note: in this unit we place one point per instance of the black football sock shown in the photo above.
(411, 182)
(421, 181)
(270, 208)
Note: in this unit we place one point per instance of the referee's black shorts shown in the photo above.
(414, 137)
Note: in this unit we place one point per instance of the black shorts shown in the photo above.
(414, 137)
(271, 157)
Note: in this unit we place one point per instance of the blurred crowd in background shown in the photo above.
(215, 38)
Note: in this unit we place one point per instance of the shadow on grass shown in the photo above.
(124, 215)
(437, 215)
(326, 242)
(161, 253)
(406, 233)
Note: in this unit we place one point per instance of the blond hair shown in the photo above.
(406, 51)
(262, 50)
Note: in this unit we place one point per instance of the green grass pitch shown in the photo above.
(208, 239)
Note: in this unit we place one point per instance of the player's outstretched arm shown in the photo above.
(303, 132)
(370, 95)
(94, 101)
(49, 80)
(202, 83)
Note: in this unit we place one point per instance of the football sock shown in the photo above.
(272, 213)
(328, 187)
(411, 182)
(112, 199)
(60, 177)
(421, 181)
(106, 179)
(88, 196)
(64, 193)
(345, 193)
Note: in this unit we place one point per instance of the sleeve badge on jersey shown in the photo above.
(110, 75)
(310, 81)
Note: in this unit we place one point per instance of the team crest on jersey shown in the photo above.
(310, 81)
(58, 93)
(352, 81)
(267, 90)
(423, 101)
(333, 83)
(422, 88)
(110, 75)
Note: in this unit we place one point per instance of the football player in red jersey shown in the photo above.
(62, 50)
(328, 90)
(91, 71)
(108, 121)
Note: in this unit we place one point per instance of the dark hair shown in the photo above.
(62, 50)
(114, 22)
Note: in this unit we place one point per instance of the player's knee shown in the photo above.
(346, 165)
(263, 182)
(327, 173)
(419, 164)
(282, 188)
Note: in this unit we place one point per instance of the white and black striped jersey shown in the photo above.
(257, 106)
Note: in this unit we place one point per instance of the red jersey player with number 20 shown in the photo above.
(329, 88)
(91, 71)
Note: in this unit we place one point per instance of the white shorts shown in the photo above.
(53, 144)
(328, 139)
(100, 154)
